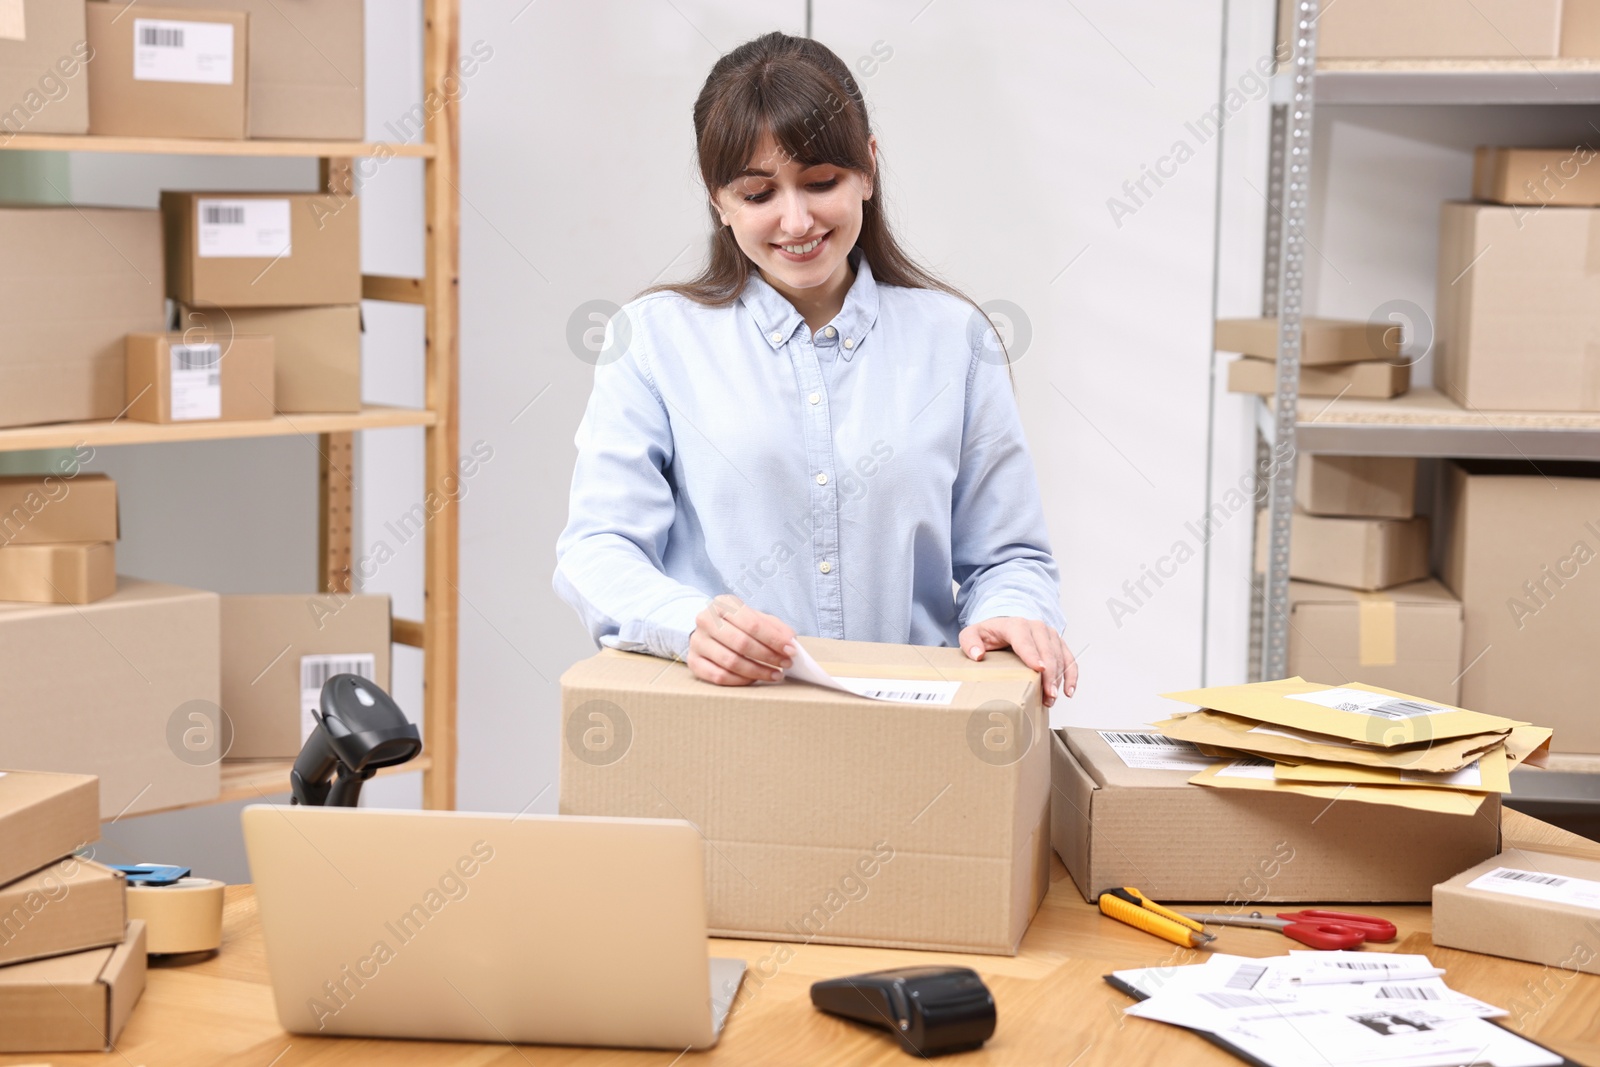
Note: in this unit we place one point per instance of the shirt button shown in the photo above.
(829, 332)
(815, 398)
(849, 342)
(822, 479)
(776, 337)
(825, 567)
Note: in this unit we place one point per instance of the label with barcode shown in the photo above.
(901, 692)
(1246, 976)
(1232, 1001)
(196, 382)
(169, 50)
(1408, 992)
(1361, 702)
(1540, 885)
(243, 228)
(1145, 751)
(315, 670)
(1248, 768)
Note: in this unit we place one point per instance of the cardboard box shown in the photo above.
(1519, 308)
(1521, 549)
(1365, 554)
(1407, 638)
(1559, 177)
(829, 817)
(125, 688)
(77, 280)
(43, 817)
(76, 1003)
(1433, 29)
(278, 650)
(44, 509)
(44, 51)
(1376, 487)
(237, 250)
(1356, 381)
(1531, 910)
(1322, 341)
(69, 906)
(73, 572)
(181, 378)
(1116, 825)
(166, 72)
(307, 67)
(1580, 29)
(316, 351)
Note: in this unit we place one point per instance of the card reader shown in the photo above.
(932, 1010)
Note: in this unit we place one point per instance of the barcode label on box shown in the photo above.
(250, 229)
(166, 50)
(196, 382)
(1540, 885)
(901, 692)
(1361, 702)
(315, 670)
(1154, 752)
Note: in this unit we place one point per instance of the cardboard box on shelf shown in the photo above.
(316, 350)
(1322, 341)
(1518, 311)
(69, 906)
(44, 51)
(1432, 29)
(1580, 29)
(44, 816)
(74, 1003)
(1407, 638)
(1142, 824)
(1558, 177)
(178, 378)
(166, 72)
(1357, 381)
(1376, 487)
(277, 650)
(944, 840)
(1521, 541)
(238, 250)
(77, 280)
(45, 509)
(1537, 906)
(69, 572)
(125, 688)
(1367, 554)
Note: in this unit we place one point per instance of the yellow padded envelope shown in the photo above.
(1489, 773)
(1253, 775)
(1216, 730)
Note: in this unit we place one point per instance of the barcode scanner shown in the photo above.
(360, 729)
(932, 1010)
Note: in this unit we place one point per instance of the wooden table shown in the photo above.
(1053, 1006)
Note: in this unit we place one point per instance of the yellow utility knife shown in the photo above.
(1139, 911)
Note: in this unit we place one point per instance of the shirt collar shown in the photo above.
(778, 319)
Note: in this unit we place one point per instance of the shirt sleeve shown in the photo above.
(1000, 546)
(609, 557)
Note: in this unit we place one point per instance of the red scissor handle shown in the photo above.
(1370, 926)
(1324, 935)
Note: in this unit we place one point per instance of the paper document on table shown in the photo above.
(895, 690)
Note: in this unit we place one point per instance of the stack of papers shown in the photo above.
(1334, 1009)
(1354, 742)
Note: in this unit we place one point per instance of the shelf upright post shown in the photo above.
(336, 451)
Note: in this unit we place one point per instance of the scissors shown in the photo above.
(1319, 929)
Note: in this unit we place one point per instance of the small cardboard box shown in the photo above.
(45, 509)
(1321, 340)
(1559, 177)
(278, 650)
(316, 351)
(166, 72)
(71, 572)
(1375, 487)
(829, 816)
(1357, 381)
(77, 280)
(184, 378)
(76, 1003)
(69, 906)
(1432, 29)
(1114, 825)
(1539, 906)
(44, 51)
(1407, 638)
(1368, 554)
(1519, 308)
(237, 250)
(43, 817)
(125, 688)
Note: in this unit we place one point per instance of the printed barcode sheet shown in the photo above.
(1145, 751)
(171, 50)
(1540, 885)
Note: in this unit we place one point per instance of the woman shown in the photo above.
(814, 435)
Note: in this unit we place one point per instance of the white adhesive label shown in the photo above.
(168, 50)
(1364, 703)
(248, 229)
(315, 670)
(901, 692)
(13, 22)
(196, 382)
(1247, 768)
(1539, 885)
(1154, 752)
(1468, 776)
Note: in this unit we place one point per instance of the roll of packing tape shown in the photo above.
(183, 917)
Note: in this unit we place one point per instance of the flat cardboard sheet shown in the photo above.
(1489, 773)
(1213, 728)
(1239, 775)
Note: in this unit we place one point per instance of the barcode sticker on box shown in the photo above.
(315, 670)
(167, 50)
(13, 22)
(250, 229)
(1361, 702)
(1540, 885)
(898, 691)
(196, 382)
(1154, 752)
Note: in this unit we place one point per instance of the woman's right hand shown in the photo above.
(734, 644)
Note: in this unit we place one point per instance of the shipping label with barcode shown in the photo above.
(169, 50)
(250, 229)
(1540, 885)
(1145, 751)
(1249, 768)
(901, 692)
(196, 382)
(1376, 704)
(315, 670)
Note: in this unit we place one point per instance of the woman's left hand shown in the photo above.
(1034, 642)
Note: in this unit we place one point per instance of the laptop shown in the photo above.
(533, 929)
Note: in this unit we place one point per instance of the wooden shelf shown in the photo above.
(265, 778)
(128, 432)
(184, 146)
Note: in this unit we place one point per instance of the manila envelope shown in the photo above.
(1490, 773)
(1257, 776)
(1213, 729)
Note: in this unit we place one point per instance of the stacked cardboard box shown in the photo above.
(44, 54)
(1337, 358)
(185, 377)
(58, 538)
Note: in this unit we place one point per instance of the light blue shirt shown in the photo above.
(841, 481)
